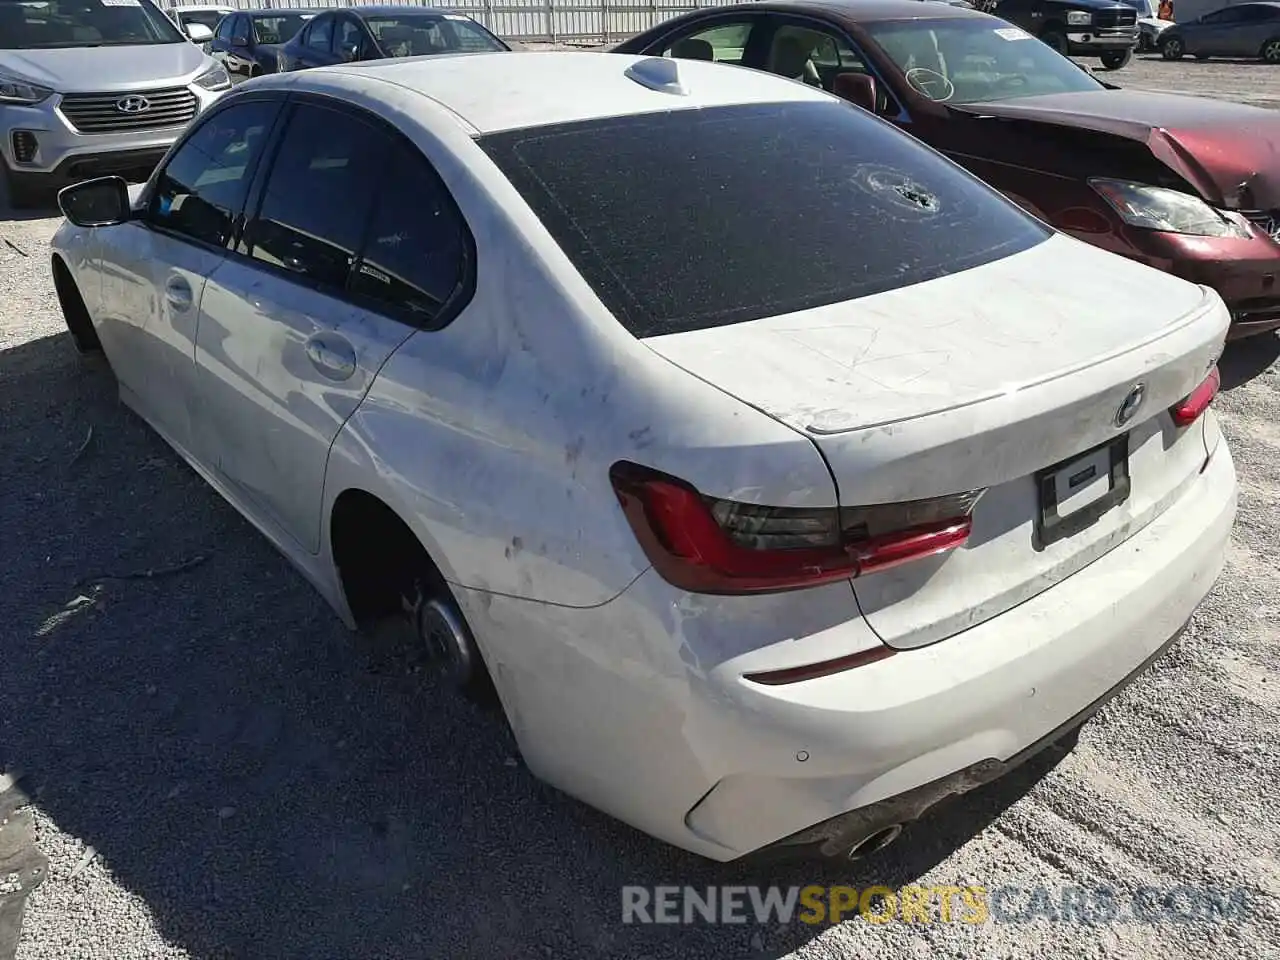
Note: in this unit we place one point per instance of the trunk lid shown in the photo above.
(944, 387)
(1229, 152)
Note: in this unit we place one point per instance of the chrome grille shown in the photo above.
(1115, 18)
(139, 110)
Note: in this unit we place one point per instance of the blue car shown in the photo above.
(248, 42)
(376, 33)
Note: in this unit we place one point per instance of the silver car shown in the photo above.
(1249, 30)
(94, 87)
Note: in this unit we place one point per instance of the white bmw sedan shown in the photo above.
(780, 477)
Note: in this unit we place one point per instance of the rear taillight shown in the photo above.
(1189, 409)
(707, 545)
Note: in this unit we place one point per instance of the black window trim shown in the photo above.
(463, 291)
(223, 104)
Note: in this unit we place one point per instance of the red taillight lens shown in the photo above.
(1189, 410)
(708, 545)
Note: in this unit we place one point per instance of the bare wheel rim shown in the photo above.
(1271, 51)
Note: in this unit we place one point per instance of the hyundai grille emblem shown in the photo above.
(1132, 401)
(133, 104)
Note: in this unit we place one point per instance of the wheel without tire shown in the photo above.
(1055, 39)
(1172, 48)
(1116, 59)
(1270, 52)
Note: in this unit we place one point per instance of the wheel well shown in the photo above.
(377, 557)
(74, 310)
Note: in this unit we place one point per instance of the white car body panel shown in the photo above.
(492, 439)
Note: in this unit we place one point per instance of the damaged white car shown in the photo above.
(778, 475)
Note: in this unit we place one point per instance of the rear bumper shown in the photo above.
(629, 707)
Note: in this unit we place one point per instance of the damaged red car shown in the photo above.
(1185, 184)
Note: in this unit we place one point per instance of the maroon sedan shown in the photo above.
(1185, 184)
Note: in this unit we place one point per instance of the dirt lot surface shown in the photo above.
(215, 768)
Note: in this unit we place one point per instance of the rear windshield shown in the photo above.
(49, 24)
(698, 218)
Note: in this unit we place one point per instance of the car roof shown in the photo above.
(281, 12)
(504, 91)
(859, 11)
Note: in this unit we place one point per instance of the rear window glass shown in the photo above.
(690, 219)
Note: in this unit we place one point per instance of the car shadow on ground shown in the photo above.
(269, 786)
(1242, 360)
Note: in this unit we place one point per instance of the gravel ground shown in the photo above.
(217, 769)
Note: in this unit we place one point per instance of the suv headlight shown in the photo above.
(215, 78)
(13, 90)
(1159, 208)
(1079, 18)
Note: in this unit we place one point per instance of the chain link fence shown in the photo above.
(548, 21)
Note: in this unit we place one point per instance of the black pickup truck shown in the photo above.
(1078, 28)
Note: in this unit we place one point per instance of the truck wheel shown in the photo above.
(1172, 48)
(1055, 39)
(1115, 59)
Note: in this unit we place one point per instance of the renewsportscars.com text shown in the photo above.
(1009, 903)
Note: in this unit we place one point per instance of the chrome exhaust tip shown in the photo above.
(875, 842)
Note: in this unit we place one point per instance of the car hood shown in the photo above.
(1229, 152)
(105, 69)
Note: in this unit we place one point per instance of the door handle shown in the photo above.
(334, 357)
(178, 292)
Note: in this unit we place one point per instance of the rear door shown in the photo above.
(1211, 37)
(1256, 25)
(344, 255)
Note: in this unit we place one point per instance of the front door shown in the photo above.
(292, 333)
(155, 275)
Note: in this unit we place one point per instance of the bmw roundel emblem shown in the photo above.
(1132, 402)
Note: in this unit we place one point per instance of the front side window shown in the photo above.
(226, 26)
(48, 24)
(752, 211)
(815, 57)
(317, 197)
(417, 35)
(414, 256)
(202, 189)
(723, 43)
(976, 61)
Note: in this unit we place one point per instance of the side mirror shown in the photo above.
(350, 52)
(103, 202)
(858, 88)
(199, 33)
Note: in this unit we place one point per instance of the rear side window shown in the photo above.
(318, 196)
(414, 256)
(690, 219)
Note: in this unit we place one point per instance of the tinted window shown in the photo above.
(277, 29)
(46, 24)
(698, 218)
(320, 34)
(203, 187)
(317, 196)
(416, 35)
(414, 255)
(225, 26)
(350, 36)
